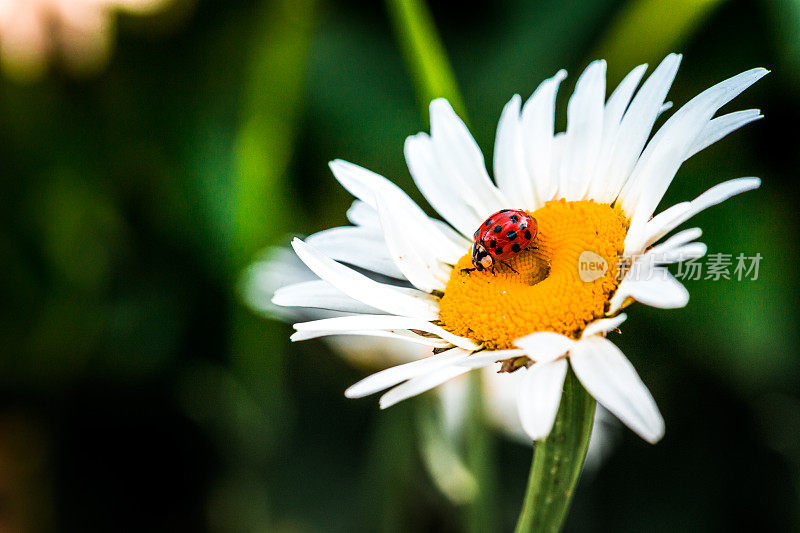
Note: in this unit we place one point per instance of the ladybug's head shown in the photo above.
(481, 257)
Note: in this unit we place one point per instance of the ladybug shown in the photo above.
(502, 236)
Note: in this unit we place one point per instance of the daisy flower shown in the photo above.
(33, 31)
(398, 273)
(280, 268)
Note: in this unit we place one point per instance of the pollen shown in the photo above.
(560, 283)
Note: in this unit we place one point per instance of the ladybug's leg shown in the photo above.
(468, 270)
(509, 266)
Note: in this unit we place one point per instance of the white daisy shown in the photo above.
(280, 268)
(593, 188)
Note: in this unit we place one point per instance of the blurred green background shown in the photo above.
(138, 393)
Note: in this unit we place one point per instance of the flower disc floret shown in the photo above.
(541, 288)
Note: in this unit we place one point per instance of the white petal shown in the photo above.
(400, 335)
(367, 218)
(361, 214)
(673, 142)
(721, 192)
(544, 346)
(383, 322)
(444, 195)
(423, 270)
(676, 215)
(692, 250)
(661, 224)
(454, 397)
(367, 185)
(722, 126)
(600, 189)
(678, 248)
(621, 97)
(556, 153)
(321, 295)
(677, 240)
(603, 325)
(388, 298)
(276, 268)
(510, 169)
(638, 121)
(669, 148)
(540, 396)
(500, 402)
(420, 384)
(462, 159)
(397, 374)
(538, 125)
(584, 132)
(488, 357)
(359, 246)
(651, 285)
(607, 375)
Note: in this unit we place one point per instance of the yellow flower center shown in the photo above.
(561, 283)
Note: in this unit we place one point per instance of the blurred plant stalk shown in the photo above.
(424, 53)
(271, 104)
(433, 78)
(657, 27)
(269, 124)
(260, 202)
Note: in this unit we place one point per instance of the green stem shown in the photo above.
(424, 53)
(557, 462)
(269, 119)
(480, 454)
(279, 50)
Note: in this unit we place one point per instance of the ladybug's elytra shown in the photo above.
(502, 236)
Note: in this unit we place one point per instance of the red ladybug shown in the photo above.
(502, 236)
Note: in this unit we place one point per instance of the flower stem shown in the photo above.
(557, 462)
(424, 53)
(481, 514)
(433, 78)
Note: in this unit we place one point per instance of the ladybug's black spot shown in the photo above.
(511, 235)
(528, 235)
(505, 210)
(488, 222)
(497, 229)
(515, 248)
(522, 226)
(493, 244)
(514, 219)
(498, 251)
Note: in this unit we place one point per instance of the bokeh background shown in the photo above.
(137, 392)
